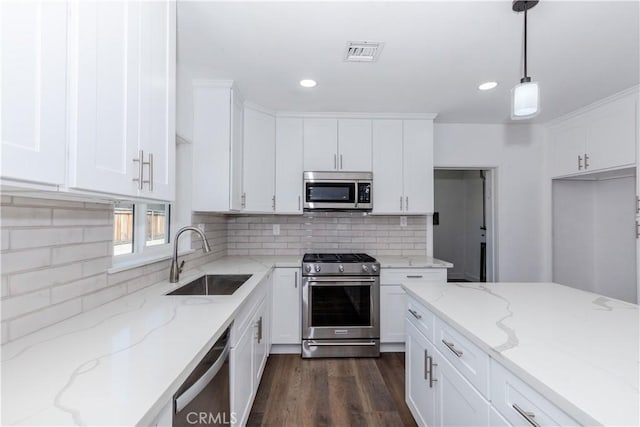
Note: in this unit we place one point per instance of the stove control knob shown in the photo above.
(317, 268)
(374, 268)
(341, 268)
(365, 267)
(308, 268)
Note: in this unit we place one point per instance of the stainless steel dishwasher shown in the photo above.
(203, 399)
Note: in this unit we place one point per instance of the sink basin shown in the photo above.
(213, 284)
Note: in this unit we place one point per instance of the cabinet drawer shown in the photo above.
(516, 401)
(422, 318)
(465, 356)
(245, 314)
(396, 276)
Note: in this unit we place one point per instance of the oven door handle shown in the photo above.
(343, 280)
(327, 344)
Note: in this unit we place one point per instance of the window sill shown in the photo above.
(130, 264)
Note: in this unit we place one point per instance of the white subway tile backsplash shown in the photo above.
(95, 266)
(39, 237)
(13, 262)
(80, 252)
(5, 332)
(75, 217)
(103, 296)
(13, 216)
(26, 324)
(13, 307)
(78, 288)
(44, 278)
(98, 234)
(4, 239)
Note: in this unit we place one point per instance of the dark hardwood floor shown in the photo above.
(332, 392)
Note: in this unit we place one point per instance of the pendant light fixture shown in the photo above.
(525, 97)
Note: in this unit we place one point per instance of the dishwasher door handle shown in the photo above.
(189, 394)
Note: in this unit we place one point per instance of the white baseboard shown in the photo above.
(392, 347)
(286, 349)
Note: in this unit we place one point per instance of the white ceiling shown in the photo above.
(435, 54)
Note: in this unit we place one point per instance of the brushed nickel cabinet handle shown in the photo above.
(637, 204)
(528, 416)
(586, 161)
(637, 229)
(140, 161)
(579, 162)
(416, 276)
(426, 364)
(415, 314)
(335, 161)
(298, 202)
(295, 280)
(150, 163)
(451, 347)
(273, 202)
(406, 205)
(243, 200)
(341, 162)
(401, 203)
(430, 369)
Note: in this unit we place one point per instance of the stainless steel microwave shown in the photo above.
(338, 191)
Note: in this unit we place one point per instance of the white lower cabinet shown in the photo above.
(458, 384)
(250, 345)
(393, 302)
(287, 298)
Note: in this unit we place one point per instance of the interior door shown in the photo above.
(34, 54)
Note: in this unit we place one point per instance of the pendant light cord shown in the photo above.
(525, 40)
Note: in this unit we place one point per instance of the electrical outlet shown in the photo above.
(403, 221)
(276, 229)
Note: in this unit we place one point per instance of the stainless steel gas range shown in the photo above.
(340, 305)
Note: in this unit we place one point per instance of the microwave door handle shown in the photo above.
(192, 392)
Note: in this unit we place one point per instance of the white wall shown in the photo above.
(593, 236)
(516, 152)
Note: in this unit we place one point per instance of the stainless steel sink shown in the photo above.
(213, 284)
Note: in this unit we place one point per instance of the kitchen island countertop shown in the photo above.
(578, 349)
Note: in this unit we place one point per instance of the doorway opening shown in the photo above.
(463, 223)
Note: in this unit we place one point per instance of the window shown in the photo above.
(140, 228)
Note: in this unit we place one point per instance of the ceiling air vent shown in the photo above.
(362, 51)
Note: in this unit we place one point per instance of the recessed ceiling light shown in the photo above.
(308, 83)
(488, 85)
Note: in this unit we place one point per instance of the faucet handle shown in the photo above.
(181, 266)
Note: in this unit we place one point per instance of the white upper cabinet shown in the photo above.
(122, 98)
(337, 145)
(289, 135)
(418, 166)
(217, 147)
(402, 167)
(388, 192)
(320, 145)
(259, 161)
(354, 145)
(598, 139)
(34, 54)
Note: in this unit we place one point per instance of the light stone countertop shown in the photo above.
(120, 363)
(578, 349)
(411, 262)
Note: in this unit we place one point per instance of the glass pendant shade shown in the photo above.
(525, 100)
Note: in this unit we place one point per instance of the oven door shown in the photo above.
(340, 307)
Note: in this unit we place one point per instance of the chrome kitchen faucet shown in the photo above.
(174, 274)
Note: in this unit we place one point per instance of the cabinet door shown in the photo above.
(420, 397)
(458, 403)
(568, 146)
(261, 345)
(418, 166)
(285, 324)
(612, 135)
(289, 165)
(320, 145)
(354, 145)
(34, 54)
(392, 314)
(259, 161)
(104, 96)
(157, 98)
(388, 194)
(241, 382)
(237, 129)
